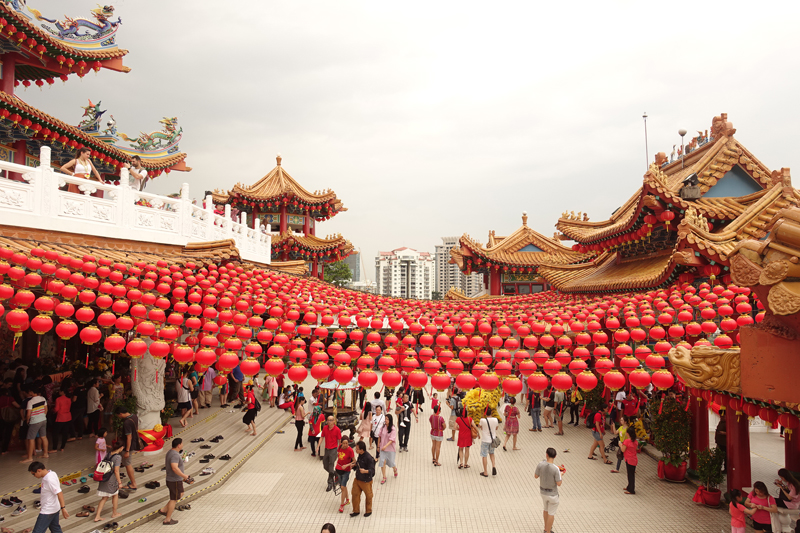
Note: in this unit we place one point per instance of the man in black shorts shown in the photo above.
(130, 432)
(175, 478)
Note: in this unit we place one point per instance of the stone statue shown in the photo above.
(672, 155)
(586, 217)
(661, 158)
(720, 126)
(708, 367)
(148, 387)
(695, 219)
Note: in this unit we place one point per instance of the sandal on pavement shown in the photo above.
(83, 514)
(341, 508)
(170, 523)
(484, 475)
(383, 481)
(592, 458)
(608, 462)
(89, 508)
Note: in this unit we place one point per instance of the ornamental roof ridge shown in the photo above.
(99, 51)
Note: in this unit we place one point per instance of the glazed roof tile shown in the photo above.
(276, 184)
(121, 251)
(608, 273)
(313, 242)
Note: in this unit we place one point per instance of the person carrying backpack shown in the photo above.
(110, 482)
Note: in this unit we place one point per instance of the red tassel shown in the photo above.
(134, 374)
(661, 405)
(64, 357)
(156, 376)
(561, 409)
(14, 346)
(87, 357)
(113, 366)
(39, 348)
(688, 402)
(583, 411)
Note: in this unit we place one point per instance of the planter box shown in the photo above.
(671, 473)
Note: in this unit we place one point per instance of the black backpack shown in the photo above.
(257, 403)
(590, 419)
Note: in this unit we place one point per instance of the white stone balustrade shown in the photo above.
(122, 213)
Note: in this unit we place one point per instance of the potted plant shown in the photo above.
(671, 436)
(709, 470)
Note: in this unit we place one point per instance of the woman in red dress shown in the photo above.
(465, 425)
(512, 422)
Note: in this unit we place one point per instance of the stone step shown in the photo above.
(236, 443)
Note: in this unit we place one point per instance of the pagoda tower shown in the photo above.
(278, 200)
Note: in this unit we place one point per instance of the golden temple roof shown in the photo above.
(610, 272)
(313, 242)
(298, 267)
(456, 294)
(710, 161)
(512, 250)
(752, 223)
(276, 184)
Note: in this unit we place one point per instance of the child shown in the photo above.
(738, 512)
(434, 401)
(100, 445)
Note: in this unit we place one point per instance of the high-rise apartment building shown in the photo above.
(354, 262)
(405, 273)
(449, 276)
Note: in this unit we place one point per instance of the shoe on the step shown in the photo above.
(205, 461)
(19, 510)
(84, 489)
(207, 471)
(198, 439)
(205, 447)
(226, 457)
(15, 500)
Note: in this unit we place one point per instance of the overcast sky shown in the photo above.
(441, 118)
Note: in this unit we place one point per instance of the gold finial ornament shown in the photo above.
(524, 218)
(278, 159)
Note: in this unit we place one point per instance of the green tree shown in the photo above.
(436, 295)
(338, 273)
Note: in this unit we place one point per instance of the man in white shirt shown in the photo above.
(51, 498)
(138, 175)
(378, 402)
(488, 432)
(618, 399)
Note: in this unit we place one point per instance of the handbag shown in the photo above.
(495, 440)
(473, 430)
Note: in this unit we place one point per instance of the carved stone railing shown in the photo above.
(122, 212)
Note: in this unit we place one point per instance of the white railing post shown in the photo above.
(227, 227)
(186, 211)
(125, 200)
(44, 186)
(209, 208)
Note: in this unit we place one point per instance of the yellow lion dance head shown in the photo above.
(478, 399)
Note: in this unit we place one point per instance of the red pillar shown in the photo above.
(315, 267)
(312, 227)
(8, 74)
(20, 151)
(699, 440)
(738, 433)
(494, 283)
(284, 220)
(321, 271)
(305, 223)
(792, 449)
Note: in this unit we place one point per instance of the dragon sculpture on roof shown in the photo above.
(168, 135)
(71, 27)
(92, 114)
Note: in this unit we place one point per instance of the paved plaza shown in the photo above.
(282, 490)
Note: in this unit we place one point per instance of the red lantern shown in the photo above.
(440, 381)
(614, 380)
(562, 381)
(663, 379)
(367, 378)
(250, 367)
(90, 335)
(512, 385)
(466, 381)
(586, 380)
(321, 371)
(417, 379)
(391, 378)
